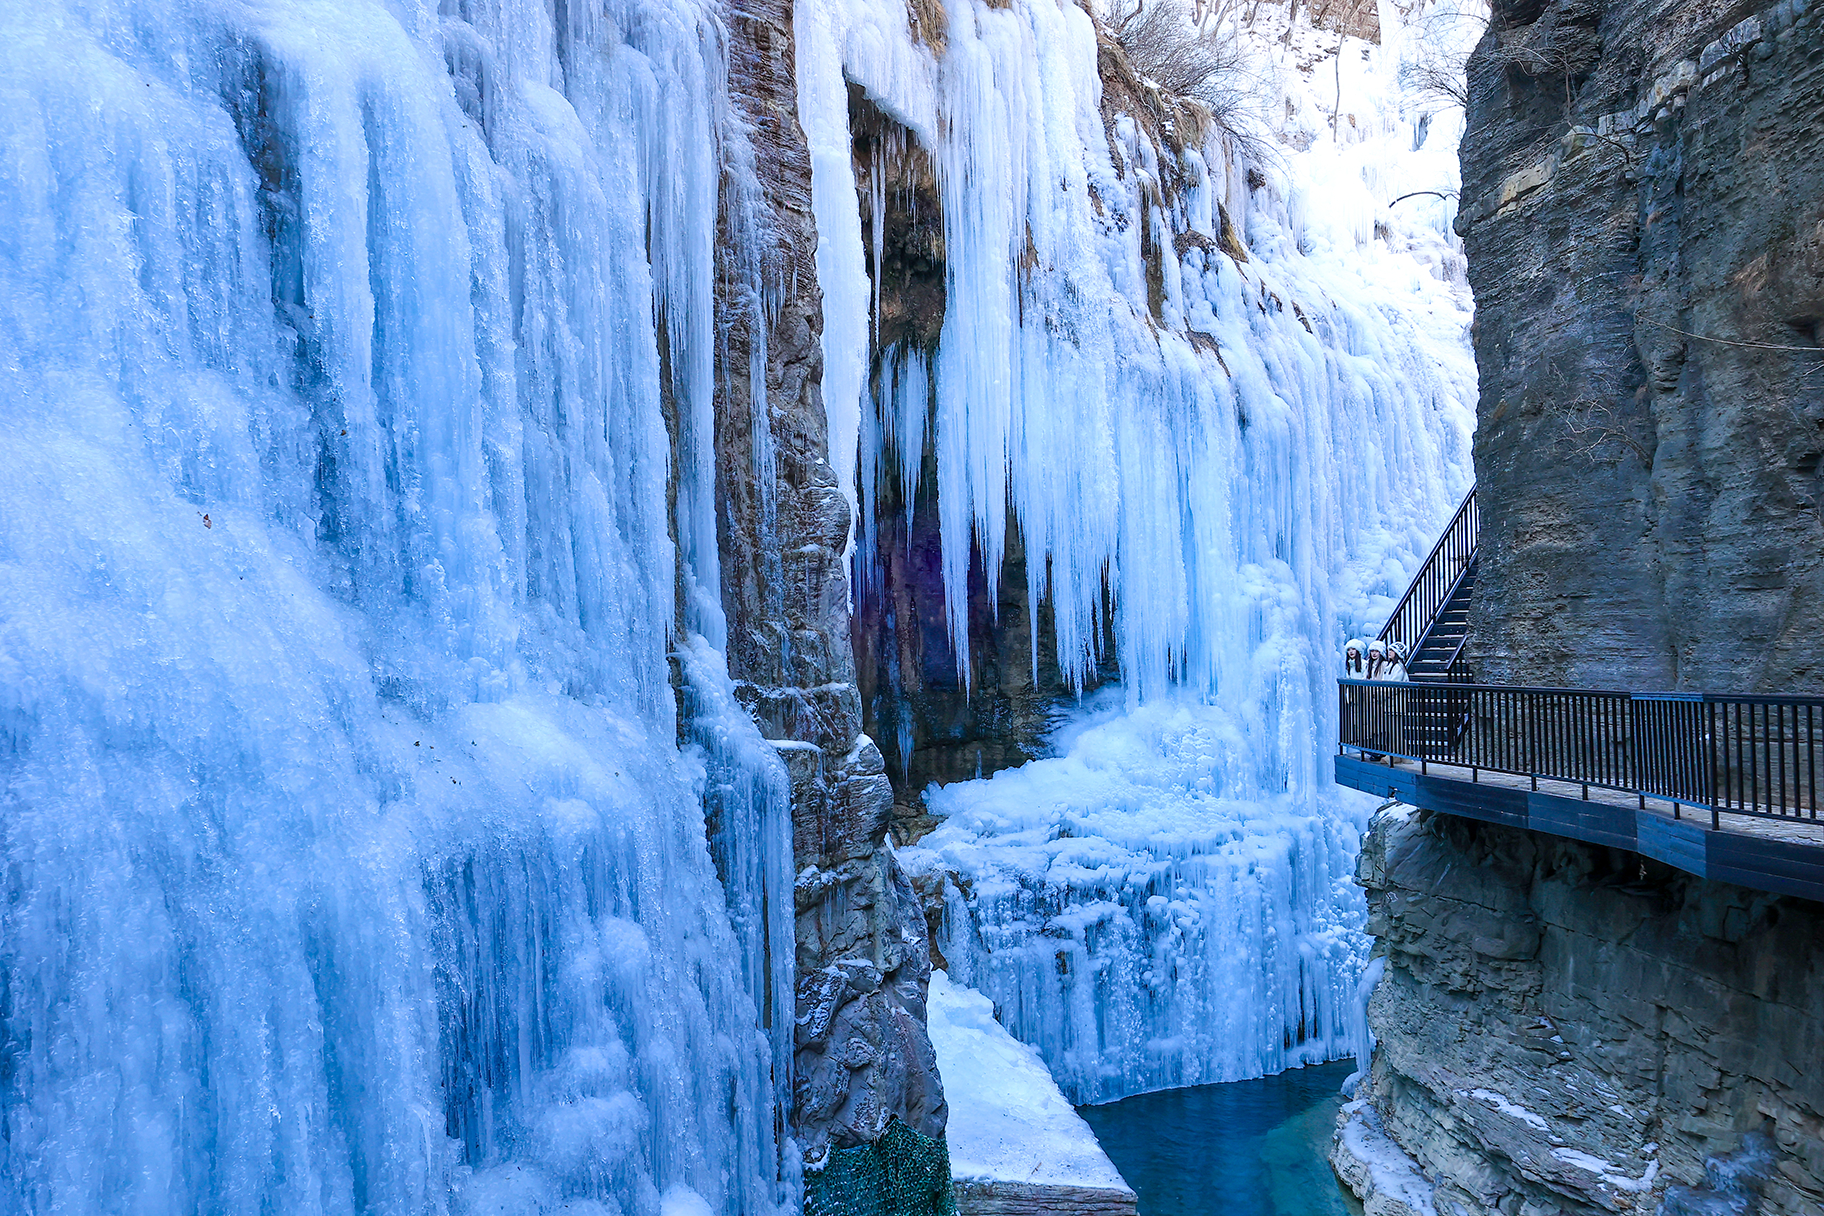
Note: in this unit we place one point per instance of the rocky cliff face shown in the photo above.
(1643, 212)
(1567, 1029)
(862, 1058)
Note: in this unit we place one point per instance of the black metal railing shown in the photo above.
(1745, 755)
(1437, 578)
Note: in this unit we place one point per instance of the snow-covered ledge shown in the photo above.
(1376, 1169)
(1017, 1147)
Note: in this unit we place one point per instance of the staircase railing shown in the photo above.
(1437, 578)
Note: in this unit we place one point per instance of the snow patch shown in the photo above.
(1009, 1122)
(1511, 1109)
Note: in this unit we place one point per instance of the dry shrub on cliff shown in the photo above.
(1195, 57)
(1440, 49)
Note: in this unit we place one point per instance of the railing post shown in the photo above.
(1707, 744)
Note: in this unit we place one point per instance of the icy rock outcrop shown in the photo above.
(1567, 1029)
(860, 1054)
(1017, 1147)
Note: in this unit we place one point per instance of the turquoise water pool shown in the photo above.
(1248, 1148)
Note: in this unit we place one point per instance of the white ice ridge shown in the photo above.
(350, 859)
(1008, 1120)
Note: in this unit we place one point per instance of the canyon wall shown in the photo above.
(861, 1057)
(1643, 212)
(1570, 1029)
(1564, 1028)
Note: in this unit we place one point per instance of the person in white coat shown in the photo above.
(1387, 714)
(1354, 660)
(1393, 662)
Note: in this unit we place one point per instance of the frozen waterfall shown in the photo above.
(1227, 465)
(351, 862)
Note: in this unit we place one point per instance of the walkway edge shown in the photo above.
(1781, 867)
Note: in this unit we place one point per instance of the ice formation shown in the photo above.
(1139, 924)
(351, 861)
(351, 858)
(1240, 462)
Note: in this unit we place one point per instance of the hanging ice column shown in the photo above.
(1240, 456)
(350, 863)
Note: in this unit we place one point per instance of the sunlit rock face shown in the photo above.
(1642, 218)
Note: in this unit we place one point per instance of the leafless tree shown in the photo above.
(1190, 54)
(1438, 78)
(1440, 54)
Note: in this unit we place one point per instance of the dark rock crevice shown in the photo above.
(933, 726)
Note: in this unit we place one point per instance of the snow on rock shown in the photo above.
(1378, 1170)
(1506, 1107)
(1608, 1172)
(1009, 1122)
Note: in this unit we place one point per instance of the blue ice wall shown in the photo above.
(348, 858)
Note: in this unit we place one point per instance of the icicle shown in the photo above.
(350, 859)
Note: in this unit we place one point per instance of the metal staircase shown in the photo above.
(1440, 652)
(1431, 621)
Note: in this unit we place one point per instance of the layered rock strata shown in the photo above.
(862, 1059)
(978, 1198)
(1569, 1029)
(1643, 213)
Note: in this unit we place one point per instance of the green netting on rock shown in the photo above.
(901, 1174)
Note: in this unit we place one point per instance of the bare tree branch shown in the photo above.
(1193, 55)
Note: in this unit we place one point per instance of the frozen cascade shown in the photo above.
(351, 861)
(1240, 461)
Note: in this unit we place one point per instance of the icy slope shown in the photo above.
(1233, 464)
(350, 862)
